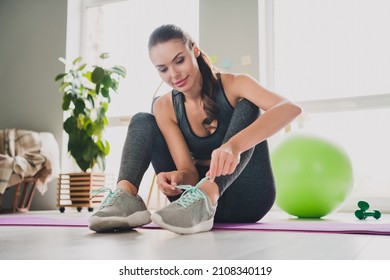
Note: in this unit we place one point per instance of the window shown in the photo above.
(332, 58)
(122, 29)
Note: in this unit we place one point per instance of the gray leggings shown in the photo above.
(246, 195)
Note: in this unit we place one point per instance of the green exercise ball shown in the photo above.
(313, 176)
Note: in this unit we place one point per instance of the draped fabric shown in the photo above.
(26, 153)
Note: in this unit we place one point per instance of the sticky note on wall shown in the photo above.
(227, 63)
(213, 59)
(246, 60)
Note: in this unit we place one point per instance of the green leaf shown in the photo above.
(98, 128)
(105, 92)
(67, 98)
(88, 75)
(69, 124)
(104, 106)
(87, 122)
(79, 106)
(101, 112)
(103, 146)
(83, 164)
(101, 163)
(107, 148)
(104, 56)
(114, 85)
(120, 70)
(91, 99)
(62, 60)
(59, 76)
(97, 88)
(63, 87)
(107, 81)
(80, 122)
(82, 67)
(90, 151)
(77, 60)
(100, 145)
(89, 129)
(97, 75)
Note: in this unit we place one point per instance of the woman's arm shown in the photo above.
(278, 113)
(166, 120)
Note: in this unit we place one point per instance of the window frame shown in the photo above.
(315, 106)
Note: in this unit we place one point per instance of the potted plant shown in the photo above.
(86, 96)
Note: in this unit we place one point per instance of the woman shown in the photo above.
(206, 142)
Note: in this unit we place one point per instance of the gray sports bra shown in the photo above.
(202, 147)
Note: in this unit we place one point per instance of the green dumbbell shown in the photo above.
(362, 213)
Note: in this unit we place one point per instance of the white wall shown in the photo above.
(228, 30)
(32, 37)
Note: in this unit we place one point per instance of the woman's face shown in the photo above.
(176, 63)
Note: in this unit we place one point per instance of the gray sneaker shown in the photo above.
(120, 211)
(191, 213)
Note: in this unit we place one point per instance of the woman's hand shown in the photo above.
(167, 182)
(224, 161)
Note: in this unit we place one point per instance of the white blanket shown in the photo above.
(27, 153)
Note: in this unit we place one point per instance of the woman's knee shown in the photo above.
(244, 114)
(143, 118)
(143, 122)
(247, 109)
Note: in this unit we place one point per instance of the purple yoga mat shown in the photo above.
(291, 225)
(312, 226)
(360, 227)
(30, 220)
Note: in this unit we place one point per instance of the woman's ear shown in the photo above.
(196, 51)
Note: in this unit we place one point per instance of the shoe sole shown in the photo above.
(111, 224)
(201, 227)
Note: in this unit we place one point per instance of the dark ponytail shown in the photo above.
(209, 88)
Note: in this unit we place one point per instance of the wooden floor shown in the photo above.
(67, 243)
